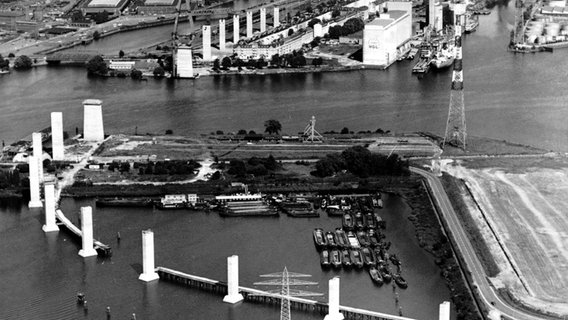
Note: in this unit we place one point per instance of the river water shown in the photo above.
(519, 98)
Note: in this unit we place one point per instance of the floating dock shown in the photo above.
(259, 296)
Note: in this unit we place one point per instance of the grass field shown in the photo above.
(527, 211)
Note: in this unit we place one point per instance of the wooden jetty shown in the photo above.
(252, 295)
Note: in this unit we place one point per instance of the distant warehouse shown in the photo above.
(113, 7)
(158, 7)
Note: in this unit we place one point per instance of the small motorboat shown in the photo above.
(348, 222)
(373, 238)
(346, 258)
(376, 276)
(325, 258)
(369, 217)
(400, 281)
(385, 273)
(359, 221)
(368, 257)
(353, 241)
(319, 238)
(341, 238)
(356, 258)
(363, 238)
(336, 258)
(331, 240)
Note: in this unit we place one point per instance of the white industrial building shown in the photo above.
(383, 36)
(183, 61)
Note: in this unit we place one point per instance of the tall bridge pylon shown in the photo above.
(455, 127)
(286, 279)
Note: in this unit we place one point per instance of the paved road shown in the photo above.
(489, 296)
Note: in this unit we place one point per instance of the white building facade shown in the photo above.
(382, 37)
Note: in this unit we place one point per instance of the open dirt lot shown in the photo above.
(527, 212)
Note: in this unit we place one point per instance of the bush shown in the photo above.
(136, 74)
(169, 131)
(23, 62)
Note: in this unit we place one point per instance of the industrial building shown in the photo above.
(158, 7)
(383, 36)
(113, 7)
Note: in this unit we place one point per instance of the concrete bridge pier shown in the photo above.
(276, 17)
(49, 194)
(148, 269)
(233, 296)
(222, 35)
(35, 201)
(57, 136)
(206, 33)
(262, 19)
(87, 233)
(333, 313)
(444, 310)
(38, 152)
(236, 29)
(249, 24)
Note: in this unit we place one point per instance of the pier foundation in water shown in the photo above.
(233, 295)
(57, 136)
(49, 194)
(87, 233)
(334, 313)
(148, 269)
(35, 201)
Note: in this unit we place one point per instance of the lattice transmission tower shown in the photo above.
(284, 293)
(310, 133)
(455, 127)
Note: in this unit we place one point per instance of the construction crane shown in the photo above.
(175, 36)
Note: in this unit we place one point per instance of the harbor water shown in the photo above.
(42, 274)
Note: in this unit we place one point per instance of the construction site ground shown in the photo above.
(520, 208)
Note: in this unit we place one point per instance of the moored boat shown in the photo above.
(325, 259)
(356, 258)
(394, 259)
(443, 58)
(368, 257)
(385, 273)
(346, 257)
(376, 276)
(353, 242)
(335, 258)
(124, 202)
(380, 222)
(319, 238)
(364, 240)
(341, 237)
(330, 239)
(400, 281)
(369, 217)
(359, 221)
(373, 238)
(348, 222)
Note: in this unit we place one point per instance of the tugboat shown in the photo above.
(336, 258)
(330, 238)
(348, 222)
(346, 257)
(356, 258)
(319, 238)
(400, 281)
(368, 257)
(363, 238)
(359, 221)
(324, 258)
(376, 276)
(341, 237)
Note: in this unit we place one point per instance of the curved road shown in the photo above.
(480, 282)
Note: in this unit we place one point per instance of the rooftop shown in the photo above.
(393, 15)
(159, 2)
(103, 3)
(92, 102)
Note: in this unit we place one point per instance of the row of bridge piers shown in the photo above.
(233, 293)
(207, 31)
